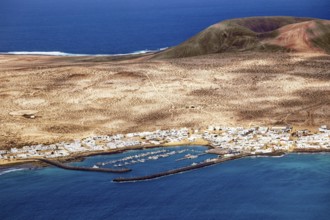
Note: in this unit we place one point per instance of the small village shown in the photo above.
(224, 141)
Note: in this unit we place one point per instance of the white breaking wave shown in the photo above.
(11, 170)
(50, 53)
(59, 53)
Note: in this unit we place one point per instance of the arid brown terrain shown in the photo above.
(48, 99)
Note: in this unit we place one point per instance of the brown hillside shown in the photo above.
(256, 34)
(299, 37)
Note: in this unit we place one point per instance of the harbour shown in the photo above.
(223, 186)
(194, 166)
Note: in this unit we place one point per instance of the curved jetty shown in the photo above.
(192, 167)
(66, 167)
(175, 171)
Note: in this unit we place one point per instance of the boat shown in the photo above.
(189, 156)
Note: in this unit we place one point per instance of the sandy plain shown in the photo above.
(47, 99)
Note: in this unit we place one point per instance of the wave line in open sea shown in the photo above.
(59, 53)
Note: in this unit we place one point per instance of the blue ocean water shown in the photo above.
(290, 187)
(125, 26)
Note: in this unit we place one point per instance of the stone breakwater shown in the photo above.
(172, 172)
(189, 168)
(67, 167)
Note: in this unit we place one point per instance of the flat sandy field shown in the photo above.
(75, 97)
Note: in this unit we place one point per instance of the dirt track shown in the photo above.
(77, 97)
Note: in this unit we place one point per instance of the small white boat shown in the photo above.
(189, 156)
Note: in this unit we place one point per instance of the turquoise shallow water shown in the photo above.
(290, 187)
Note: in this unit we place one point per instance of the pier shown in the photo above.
(66, 167)
(192, 167)
(176, 171)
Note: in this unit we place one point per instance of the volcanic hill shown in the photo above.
(267, 34)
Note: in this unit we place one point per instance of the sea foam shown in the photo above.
(59, 53)
(44, 53)
(11, 170)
